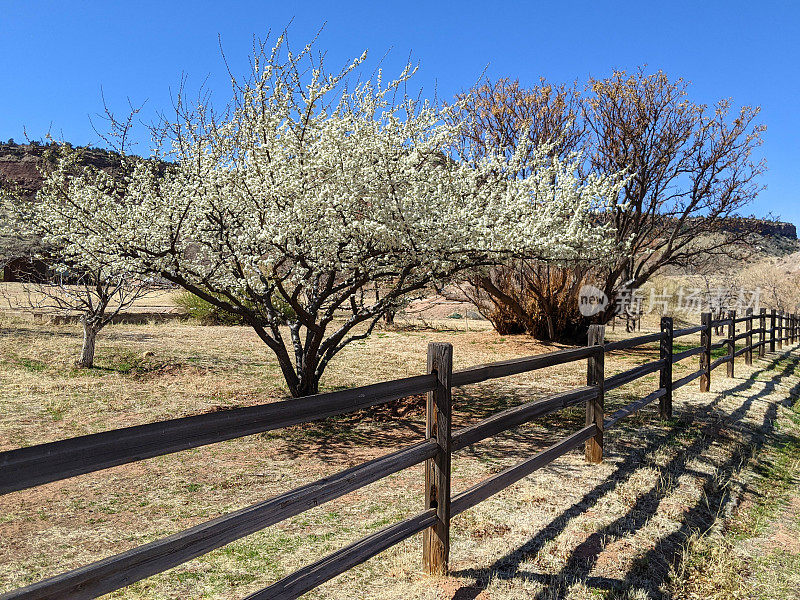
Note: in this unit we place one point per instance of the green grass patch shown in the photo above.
(31, 365)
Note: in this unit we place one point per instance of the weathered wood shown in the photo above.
(748, 325)
(689, 378)
(687, 331)
(519, 365)
(436, 539)
(686, 354)
(705, 356)
(739, 352)
(518, 415)
(731, 345)
(633, 374)
(779, 331)
(741, 336)
(633, 407)
(665, 375)
(118, 571)
(595, 377)
(720, 344)
(762, 337)
(35, 465)
(720, 361)
(633, 342)
(720, 322)
(772, 317)
(336, 563)
(490, 486)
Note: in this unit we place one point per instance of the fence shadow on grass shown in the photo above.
(650, 571)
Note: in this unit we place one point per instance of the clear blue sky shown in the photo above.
(56, 56)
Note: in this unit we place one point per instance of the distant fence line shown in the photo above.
(36, 465)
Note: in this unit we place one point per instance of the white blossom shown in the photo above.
(321, 207)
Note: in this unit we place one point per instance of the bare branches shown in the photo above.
(690, 166)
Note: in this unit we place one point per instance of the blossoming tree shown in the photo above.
(315, 203)
(86, 285)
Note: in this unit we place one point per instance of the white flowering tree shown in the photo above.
(315, 204)
(88, 285)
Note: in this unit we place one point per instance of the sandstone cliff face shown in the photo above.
(20, 165)
(763, 228)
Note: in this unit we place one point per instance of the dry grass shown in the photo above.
(570, 530)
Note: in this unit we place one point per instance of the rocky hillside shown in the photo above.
(20, 165)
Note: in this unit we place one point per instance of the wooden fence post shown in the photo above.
(705, 356)
(779, 339)
(595, 375)
(731, 342)
(748, 354)
(436, 539)
(665, 377)
(772, 315)
(762, 338)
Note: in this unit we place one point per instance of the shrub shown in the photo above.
(206, 313)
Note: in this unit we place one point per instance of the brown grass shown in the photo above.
(570, 530)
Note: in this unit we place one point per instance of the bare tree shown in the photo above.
(507, 117)
(691, 169)
(530, 296)
(95, 296)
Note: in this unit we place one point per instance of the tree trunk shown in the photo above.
(87, 352)
(551, 330)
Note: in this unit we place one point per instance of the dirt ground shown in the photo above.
(572, 530)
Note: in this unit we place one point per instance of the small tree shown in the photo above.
(311, 192)
(95, 296)
(80, 283)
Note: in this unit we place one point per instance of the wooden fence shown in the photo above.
(35, 465)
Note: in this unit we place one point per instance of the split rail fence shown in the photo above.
(36, 465)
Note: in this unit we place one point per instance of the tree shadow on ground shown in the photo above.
(650, 571)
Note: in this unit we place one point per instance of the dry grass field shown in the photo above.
(652, 521)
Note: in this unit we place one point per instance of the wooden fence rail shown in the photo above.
(35, 465)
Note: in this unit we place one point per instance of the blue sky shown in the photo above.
(55, 57)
